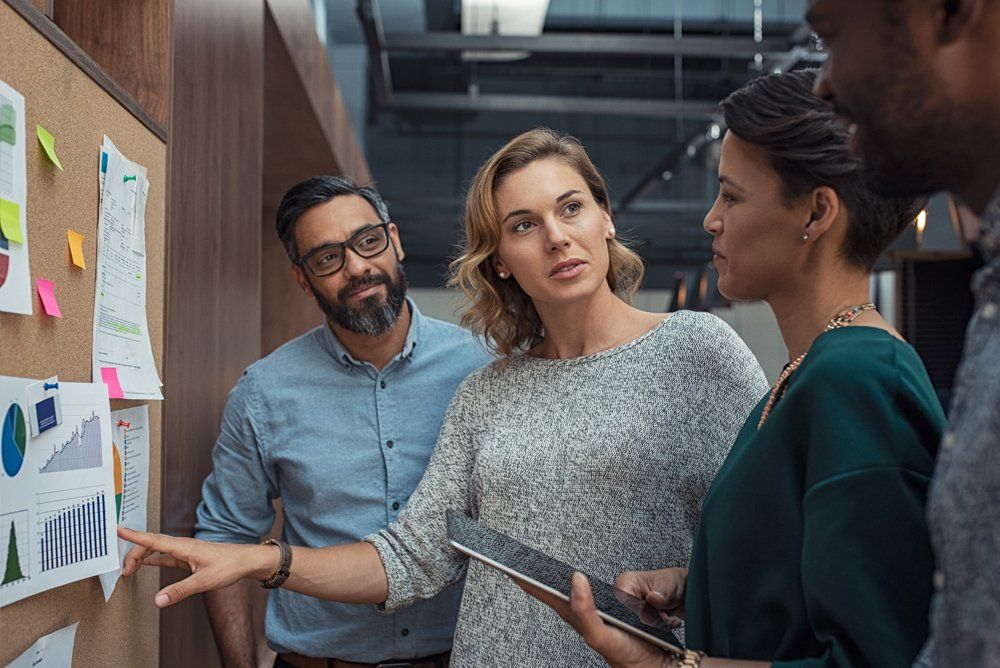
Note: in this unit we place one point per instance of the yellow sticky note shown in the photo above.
(49, 144)
(76, 248)
(10, 220)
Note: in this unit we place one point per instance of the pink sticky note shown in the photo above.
(109, 375)
(47, 291)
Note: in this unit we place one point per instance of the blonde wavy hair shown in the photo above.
(498, 310)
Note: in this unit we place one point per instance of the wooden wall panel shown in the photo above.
(213, 253)
(129, 40)
(306, 132)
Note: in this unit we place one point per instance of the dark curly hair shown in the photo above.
(807, 146)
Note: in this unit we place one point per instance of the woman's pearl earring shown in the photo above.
(805, 237)
(502, 274)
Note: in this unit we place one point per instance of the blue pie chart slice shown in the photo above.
(13, 440)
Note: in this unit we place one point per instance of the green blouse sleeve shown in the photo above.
(866, 562)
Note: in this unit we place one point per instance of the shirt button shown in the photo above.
(989, 311)
(388, 444)
(382, 384)
(948, 442)
(395, 506)
(939, 580)
(405, 632)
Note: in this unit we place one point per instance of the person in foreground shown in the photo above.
(935, 125)
(317, 410)
(558, 444)
(813, 550)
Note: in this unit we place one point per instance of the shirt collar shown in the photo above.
(341, 354)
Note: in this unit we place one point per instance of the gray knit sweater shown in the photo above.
(601, 461)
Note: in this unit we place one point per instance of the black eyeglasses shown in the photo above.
(329, 259)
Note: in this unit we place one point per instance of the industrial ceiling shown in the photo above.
(637, 81)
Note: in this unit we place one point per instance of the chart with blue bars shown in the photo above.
(72, 527)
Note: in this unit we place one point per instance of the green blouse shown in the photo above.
(813, 548)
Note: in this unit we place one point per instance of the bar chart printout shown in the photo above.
(71, 527)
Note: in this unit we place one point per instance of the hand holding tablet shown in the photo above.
(551, 580)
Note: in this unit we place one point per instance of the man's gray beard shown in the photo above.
(372, 321)
(373, 316)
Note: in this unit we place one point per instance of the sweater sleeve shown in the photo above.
(732, 383)
(866, 560)
(414, 549)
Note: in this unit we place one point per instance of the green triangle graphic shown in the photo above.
(12, 572)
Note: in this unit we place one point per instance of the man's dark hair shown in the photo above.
(807, 146)
(314, 191)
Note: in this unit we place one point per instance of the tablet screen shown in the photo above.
(524, 563)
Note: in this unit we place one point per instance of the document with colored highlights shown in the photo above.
(121, 330)
(15, 276)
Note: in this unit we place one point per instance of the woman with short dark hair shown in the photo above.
(812, 549)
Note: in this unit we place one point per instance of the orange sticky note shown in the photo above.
(109, 375)
(47, 291)
(76, 248)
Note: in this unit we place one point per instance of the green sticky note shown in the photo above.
(10, 220)
(49, 144)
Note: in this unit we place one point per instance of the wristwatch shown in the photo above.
(691, 659)
(284, 565)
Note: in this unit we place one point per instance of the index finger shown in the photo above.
(158, 542)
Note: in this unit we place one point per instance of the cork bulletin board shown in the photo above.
(60, 96)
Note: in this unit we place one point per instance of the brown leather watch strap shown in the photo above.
(284, 564)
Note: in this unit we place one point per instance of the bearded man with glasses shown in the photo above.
(340, 423)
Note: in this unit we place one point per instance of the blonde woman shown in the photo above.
(593, 439)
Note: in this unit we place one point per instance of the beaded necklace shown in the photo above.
(842, 319)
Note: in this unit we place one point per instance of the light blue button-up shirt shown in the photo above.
(343, 445)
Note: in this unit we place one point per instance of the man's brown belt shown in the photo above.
(300, 661)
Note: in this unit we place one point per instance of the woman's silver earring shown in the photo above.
(805, 237)
(502, 274)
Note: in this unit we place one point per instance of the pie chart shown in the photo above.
(13, 439)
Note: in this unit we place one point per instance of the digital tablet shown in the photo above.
(538, 569)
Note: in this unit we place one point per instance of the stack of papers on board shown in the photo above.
(121, 331)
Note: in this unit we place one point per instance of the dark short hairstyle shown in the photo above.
(315, 191)
(807, 146)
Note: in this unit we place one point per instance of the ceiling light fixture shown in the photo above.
(521, 18)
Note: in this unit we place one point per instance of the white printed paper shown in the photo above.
(52, 651)
(15, 276)
(130, 437)
(57, 494)
(121, 331)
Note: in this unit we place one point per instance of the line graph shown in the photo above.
(81, 451)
